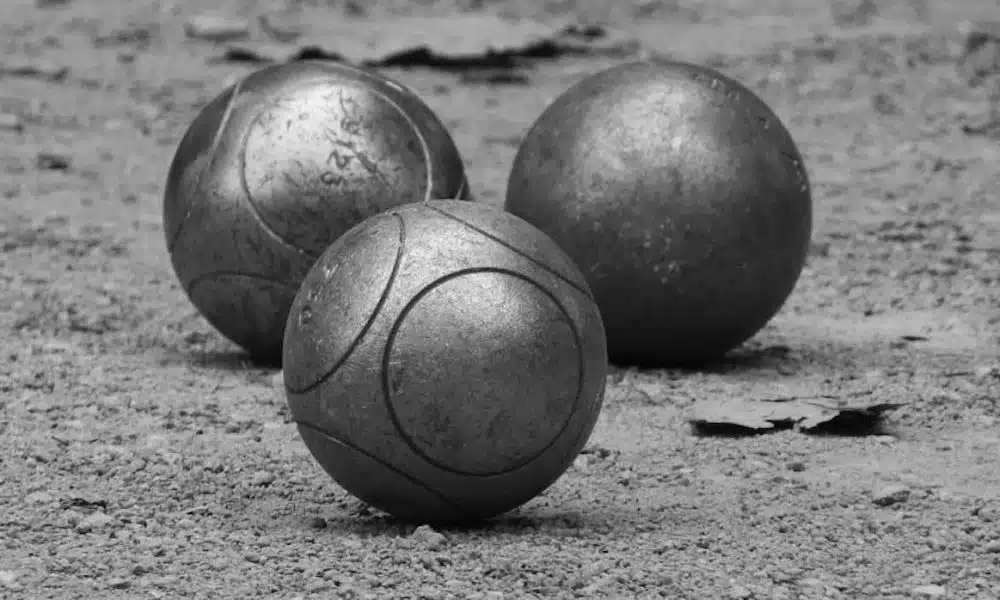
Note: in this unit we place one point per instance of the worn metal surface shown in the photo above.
(276, 168)
(682, 198)
(445, 361)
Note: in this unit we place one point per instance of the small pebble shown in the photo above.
(891, 494)
(262, 478)
(8, 578)
(48, 161)
(92, 522)
(992, 547)
(119, 584)
(38, 498)
(738, 592)
(986, 371)
(214, 465)
(884, 439)
(988, 513)
(943, 494)
(216, 28)
(428, 537)
(937, 543)
(317, 523)
(928, 591)
(797, 466)
(11, 122)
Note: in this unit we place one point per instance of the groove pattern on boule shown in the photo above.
(445, 361)
(276, 168)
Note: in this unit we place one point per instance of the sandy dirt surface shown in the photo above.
(142, 456)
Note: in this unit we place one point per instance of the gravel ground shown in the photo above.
(142, 456)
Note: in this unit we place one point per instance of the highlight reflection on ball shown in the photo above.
(276, 168)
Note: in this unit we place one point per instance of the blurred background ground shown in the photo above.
(143, 456)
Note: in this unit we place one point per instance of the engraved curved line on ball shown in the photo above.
(369, 76)
(252, 204)
(236, 274)
(216, 140)
(387, 395)
(410, 478)
(521, 253)
(423, 145)
(355, 70)
(375, 313)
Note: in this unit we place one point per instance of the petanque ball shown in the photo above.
(276, 168)
(682, 198)
(444, 361)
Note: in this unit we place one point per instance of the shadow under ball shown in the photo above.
(445, 361)
(276, 168)
(682, 198)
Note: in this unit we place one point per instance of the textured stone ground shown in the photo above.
(141, 456)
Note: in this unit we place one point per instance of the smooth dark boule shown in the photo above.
(682, 198)
(444, 361)
(276, 168)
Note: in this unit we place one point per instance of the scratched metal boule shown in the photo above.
(444, 361)
(276, 168)
(681, 196)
